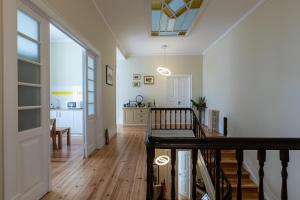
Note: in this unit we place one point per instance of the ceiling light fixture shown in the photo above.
(162, 160)
(163, 70)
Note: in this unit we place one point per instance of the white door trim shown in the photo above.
(56, 19)
(9, 10)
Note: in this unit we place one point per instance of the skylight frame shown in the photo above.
(185, 10)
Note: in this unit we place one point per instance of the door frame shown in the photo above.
(10, 102)
(190, 76)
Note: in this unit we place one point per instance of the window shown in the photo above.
(173, 18)
(29, 72)
(91, 85)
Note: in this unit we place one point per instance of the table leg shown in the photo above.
(54, 142)
(59, 140)
(68, 138)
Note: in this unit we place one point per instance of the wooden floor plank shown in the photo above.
(116, 171)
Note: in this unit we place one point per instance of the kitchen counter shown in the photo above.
(66, 109)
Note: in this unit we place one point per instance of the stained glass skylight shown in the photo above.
(173, 17)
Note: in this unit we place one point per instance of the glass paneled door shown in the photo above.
(90, 103)
(33, 103)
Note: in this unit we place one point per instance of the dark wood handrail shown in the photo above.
(227, 143)
(213, 146)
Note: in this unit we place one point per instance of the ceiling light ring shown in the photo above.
(162, 160)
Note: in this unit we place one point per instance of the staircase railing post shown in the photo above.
(217, 173)
(150, 159)
(173, 162)
(194, 173)
(239, 158)
(284, 157)
(261, 157)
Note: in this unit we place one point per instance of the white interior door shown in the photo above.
(178, 91)
(32, 109)
(90, 103)
(184, 174)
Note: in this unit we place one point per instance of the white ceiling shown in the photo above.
(130, 21)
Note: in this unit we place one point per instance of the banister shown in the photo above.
(211, 147)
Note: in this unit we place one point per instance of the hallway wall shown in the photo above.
(1, 106)
(146, 65)
(84, 18)
(252, 76)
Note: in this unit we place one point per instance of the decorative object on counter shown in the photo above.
(154, 103)
(137, 77)
(149, 80)
(200, 106)
(106, 136)
(214, 120)
(109, 75)
(139, 100)
(149, 104)
(136, 84)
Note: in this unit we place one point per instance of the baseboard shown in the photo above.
(206, 178)
(112, 131)
(269, 195)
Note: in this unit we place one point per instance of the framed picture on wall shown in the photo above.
(148, 80)
(136, 77)
(109, 75)
(136, 84)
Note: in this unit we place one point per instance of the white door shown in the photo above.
(178, 91)
(28, 122)
(90, 104)
(184, 174)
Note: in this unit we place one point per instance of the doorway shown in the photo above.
(66, 97)
(178, 92)
(184, 175)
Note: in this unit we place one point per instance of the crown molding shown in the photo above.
(231, 28)
(167, 54)
(110, 29)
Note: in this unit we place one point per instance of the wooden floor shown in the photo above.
(117, 171)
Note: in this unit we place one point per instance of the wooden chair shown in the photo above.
(59, 131)
(53, 133)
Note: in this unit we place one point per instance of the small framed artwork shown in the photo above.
(148, 80)
(136, 84)
(136, 77)
(109, 75)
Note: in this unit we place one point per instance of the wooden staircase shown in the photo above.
(229, 166)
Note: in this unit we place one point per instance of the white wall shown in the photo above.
(146, 65)
(252, 76)
(66, 72)
(1, 105)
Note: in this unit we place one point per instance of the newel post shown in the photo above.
(150, 159)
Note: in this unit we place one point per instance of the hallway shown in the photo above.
(117, 171)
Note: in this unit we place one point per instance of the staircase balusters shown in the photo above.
(284, 157)
(261, 157)
(217, 173)
(194, 173)
(150, 159)
(239, 158)
(173, 162)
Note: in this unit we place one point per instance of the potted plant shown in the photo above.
(200, 105)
